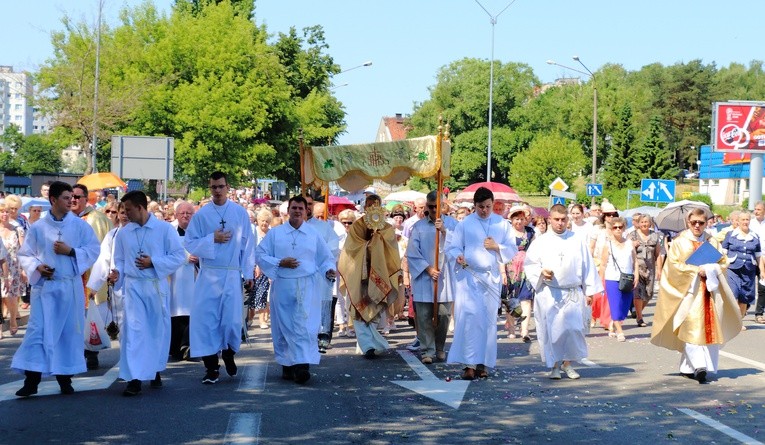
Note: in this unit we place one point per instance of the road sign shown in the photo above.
(594, 189)
(559, 185)
(558, 200)
(657, 190)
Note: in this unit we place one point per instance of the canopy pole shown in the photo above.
(302, 164)
(325, 189)
(439, 188)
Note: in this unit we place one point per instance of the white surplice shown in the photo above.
(217, 309)
(98, 275)
(54, 341)
(560, 307)
(182, 284)
(477, 287)
(295, 293)
(145, 335)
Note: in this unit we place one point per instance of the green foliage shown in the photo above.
(31, 154)
(654, 159)
(547, 157)
(619, 168)
(705, 199)
(245, 8)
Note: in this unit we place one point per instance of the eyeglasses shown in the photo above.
(617, 228)
(697, 223)
(110, 212)
(347, 223)
(78, 196)
(610, 214)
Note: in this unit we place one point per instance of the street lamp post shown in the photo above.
(493, 21)
(367, 63)
(594, 115)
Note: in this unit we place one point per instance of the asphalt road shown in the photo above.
(629, 393)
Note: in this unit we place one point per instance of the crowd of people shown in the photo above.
(184, 281)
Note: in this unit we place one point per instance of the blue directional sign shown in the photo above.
(657, 190)
(558, 200)
(594, 189)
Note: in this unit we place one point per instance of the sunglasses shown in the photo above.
(610, 214)
(697, 223)
(78, 196)
(617, 228)
(347, 223)
(110, 211)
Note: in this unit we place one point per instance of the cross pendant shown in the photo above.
(140, 252)
(222, 223)
(561, 255)
(293, 244)
(59, 235)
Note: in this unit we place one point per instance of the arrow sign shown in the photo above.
(648, 192)
(657, 190)
(594, 189)
(663, 187)
(448, 393)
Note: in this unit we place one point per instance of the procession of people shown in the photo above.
(176, 283)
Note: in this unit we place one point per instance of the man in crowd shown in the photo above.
(559, 267)
(419, 213)
(297, 259)
(101, 226)
(426, 270)
(370, 270)
(56, 252)
(328, 235)
(182, 289)
(480, 244)
(696, 312)
(220, 235)
(146, 252)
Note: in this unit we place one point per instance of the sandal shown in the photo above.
(759, 319)
(620, 337)
(642, 323)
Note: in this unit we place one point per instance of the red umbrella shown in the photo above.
(339, 203)
(502, 192)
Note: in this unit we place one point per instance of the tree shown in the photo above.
(245, 8)
(548, 157)
(619, 164)
(24, 155)
(656, 161)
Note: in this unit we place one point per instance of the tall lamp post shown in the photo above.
(367, 63)
(493, 21)
(594, 114)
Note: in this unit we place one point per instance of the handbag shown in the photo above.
(626, 280)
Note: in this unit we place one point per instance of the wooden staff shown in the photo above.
(440, 186)
(302, 162)
(325, 190)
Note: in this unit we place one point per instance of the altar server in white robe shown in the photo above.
(420, 254)
(57, 250)
(327, 233)
(298, 260)
(146, 252)
(559, 266)
(182, 284)
(220, 235)
(480, 244)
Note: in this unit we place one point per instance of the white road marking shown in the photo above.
(449, 393)
(50, 386)
(743, 360)
(728, 431)
(254, 377)
(243, 428)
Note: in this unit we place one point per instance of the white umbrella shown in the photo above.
(404, 196)
(27, 202)
(674, 216)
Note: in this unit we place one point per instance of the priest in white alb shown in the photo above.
(297, 259)
(146, 252)
(182, 284)
(57, 250)
(560, 268)
(479, 245)
(220, 235)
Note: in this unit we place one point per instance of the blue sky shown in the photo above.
(409, 41)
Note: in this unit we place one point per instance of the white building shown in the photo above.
(15, 105)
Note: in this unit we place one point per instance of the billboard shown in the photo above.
(738, 127)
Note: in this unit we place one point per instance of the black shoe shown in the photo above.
(288, 373)
(65, 383)
(302, 374)
(370, 354)
(323, 345)
(228, 360)
(91, 360)
(133, 388)
(27, 390)
(700, 375)
(211, 377)
(526, 339)
(157, 382)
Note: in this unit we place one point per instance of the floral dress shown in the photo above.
(518, 288)
(12, 243)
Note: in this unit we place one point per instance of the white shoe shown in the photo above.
(414, 346)
(570, 372)
(555, 373)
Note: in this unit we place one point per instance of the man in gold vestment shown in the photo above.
(370, 272)
(696, 312)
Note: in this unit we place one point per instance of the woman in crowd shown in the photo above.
(578, 224)
(617, 257)
(743, 250)
(397, 216)
(344, 323)
(601, 233)
(35, 212)
(13, 205)
(518, 287)
(647, 244)
(540, 225)
(14, 280)
(257, 303)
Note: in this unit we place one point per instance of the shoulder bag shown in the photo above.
(626, 280)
